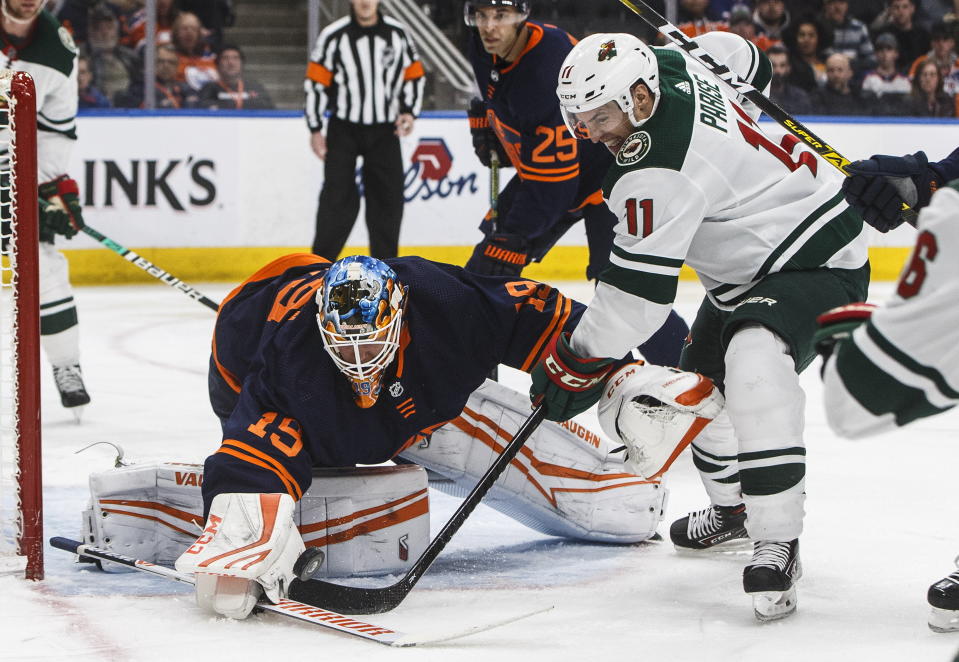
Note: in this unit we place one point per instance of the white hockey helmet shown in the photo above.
(603, 68)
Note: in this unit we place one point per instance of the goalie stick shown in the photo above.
(356, 600)
(825, 151)
(298, 610)
(152, 269)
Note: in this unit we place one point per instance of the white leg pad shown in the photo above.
(766, 406)
(564, 482)
(367, 521)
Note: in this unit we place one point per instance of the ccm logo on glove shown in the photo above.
(573, 381)
(208, 533)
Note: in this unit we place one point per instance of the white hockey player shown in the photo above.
(697, 181)
(888, 366)
(32, 40)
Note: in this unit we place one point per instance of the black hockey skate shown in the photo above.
(69, 380)
(943, 597)
(771, 578)
(715, 526)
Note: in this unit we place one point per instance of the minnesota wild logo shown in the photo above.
(634, 149)
(607, 51)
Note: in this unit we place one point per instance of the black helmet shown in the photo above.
(470, 6)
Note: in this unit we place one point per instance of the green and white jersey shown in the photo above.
(702, 183)
(903, 363)
(50, 57)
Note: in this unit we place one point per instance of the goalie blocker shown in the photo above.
(375, 520)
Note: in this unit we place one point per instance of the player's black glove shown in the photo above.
(485, 141)
(838, 324)
(499, 254)
(879, 185)
(60, 211)
(567, 384)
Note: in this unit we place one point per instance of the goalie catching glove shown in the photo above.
(656, 412)
(60, 211)
(249, 546)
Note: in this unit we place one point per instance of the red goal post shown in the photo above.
(21, 510)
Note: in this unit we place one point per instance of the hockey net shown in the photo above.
(21, 528)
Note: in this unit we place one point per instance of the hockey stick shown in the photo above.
(355, 600)
(152, 269)
(825, 151)
(292, 608)
(494, 218)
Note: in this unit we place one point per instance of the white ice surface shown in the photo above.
(880, 527)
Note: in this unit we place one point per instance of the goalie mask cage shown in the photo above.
(21, 526)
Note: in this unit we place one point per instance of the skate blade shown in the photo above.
(737, 546)
(774, 605)
(944, 620)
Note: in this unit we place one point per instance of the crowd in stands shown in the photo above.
(830, 57)
(193, 67)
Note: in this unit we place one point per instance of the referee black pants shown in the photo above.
(382, 187)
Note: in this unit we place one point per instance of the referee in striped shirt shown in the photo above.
(365, 71)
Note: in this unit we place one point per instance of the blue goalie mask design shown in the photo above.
(361, 316)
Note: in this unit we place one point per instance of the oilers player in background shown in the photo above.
(33, 41)
(558, 180)
(402, 348)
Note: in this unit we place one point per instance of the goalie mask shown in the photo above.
(360, 316)
(602, 69)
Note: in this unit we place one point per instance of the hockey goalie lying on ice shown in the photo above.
(414, 340)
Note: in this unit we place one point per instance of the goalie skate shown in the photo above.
(943, 597)
(770, 578)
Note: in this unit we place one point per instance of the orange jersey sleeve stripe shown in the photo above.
(419, 436)
(561, 313)
(252, 460)
(317, 73)
(249, 454)
(414, 71)
(551, 171)
(542, 178)
(276, 466)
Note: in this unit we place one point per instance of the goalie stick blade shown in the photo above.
(349, 599)
(293, 609)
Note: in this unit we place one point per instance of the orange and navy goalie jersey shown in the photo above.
(558, 173)
(285, 408)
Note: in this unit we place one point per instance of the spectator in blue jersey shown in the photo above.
(850, 36)
(558, 179)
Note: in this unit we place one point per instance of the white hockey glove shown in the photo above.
(656, 412)
(249, 547)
